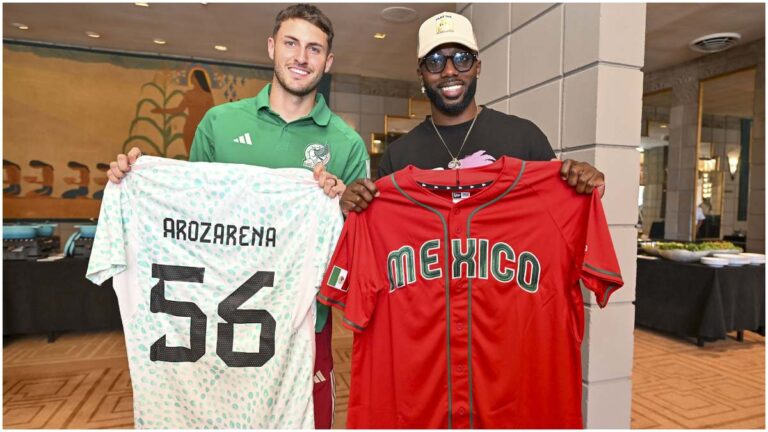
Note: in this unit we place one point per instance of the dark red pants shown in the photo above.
(324, 392)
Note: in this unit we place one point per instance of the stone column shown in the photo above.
(574, 70)
(681, 162)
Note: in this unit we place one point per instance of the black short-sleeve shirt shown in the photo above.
(495, 134)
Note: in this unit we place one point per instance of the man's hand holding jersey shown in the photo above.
(579, 175)
(122, 166)
(332, 185)
(358, 195)
(582, 176)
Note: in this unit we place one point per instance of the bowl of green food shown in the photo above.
(681, 252)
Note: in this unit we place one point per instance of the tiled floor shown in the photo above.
(679, 385)
(81, 381)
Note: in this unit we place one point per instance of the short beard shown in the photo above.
(301, 92)
(457, 108)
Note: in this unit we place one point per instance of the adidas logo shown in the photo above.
(244, 139)
(318, 378)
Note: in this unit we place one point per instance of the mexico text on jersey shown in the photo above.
(463, 288)
(469, 258)
(216, 268)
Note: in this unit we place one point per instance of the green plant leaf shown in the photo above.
(138, 120)
(141, 103)
(174, 137)
(153, 85)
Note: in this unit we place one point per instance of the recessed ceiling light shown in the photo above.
(92, 34)
(20, 26)
(220, 47)
(159, 41)
(142, 4)
(399, 14)
(379, 35)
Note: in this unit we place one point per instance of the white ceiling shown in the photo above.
(192, 29)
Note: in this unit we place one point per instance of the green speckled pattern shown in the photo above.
(129, 239)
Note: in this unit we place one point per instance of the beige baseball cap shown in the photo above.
(443, 28)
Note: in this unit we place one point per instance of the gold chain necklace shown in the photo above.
(454, 163)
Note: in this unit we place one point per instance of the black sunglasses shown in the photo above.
(462, 61)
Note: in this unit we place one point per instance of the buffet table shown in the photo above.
(51, 297)
(693, 300)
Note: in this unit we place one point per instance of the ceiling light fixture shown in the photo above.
(379, 35)
(142, 4)
(20, 26)
(399, 14)
(92, 34)
(159, 41)
(220, 47)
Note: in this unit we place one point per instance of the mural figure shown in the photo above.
(11, 177)
(101, 181)
(82, 183)
(196, 101)
(45, 181)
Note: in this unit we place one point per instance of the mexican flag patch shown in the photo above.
(337, 278)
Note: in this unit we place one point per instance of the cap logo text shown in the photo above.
(444, 24)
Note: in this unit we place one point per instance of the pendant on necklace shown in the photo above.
(454, 164)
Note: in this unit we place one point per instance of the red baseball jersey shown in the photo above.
(466, 302)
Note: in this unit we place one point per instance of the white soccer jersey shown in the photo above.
(216, 267)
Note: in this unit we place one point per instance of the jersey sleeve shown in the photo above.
(600, 271)
(328, 245)
(581, 221)
(108, 257)
(350, 283)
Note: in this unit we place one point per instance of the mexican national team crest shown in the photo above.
(316, 154)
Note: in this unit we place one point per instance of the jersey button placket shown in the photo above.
(456, 221)
(459, 346)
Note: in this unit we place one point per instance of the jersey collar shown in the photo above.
(320, 113)
(505, 174)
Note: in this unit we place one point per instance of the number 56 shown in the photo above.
(228, 310)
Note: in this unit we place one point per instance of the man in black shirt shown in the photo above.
(459, 133)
